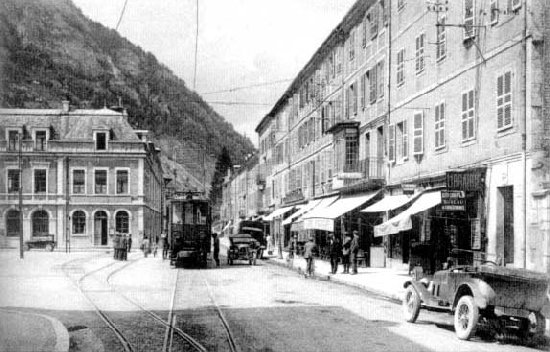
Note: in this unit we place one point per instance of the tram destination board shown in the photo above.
(453, 201)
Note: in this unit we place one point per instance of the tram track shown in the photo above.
(170, 323)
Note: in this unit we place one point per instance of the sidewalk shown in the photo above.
(31, 332)
(381, 281)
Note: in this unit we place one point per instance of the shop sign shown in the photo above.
(408, 188)
(453, 200)
(472, 180)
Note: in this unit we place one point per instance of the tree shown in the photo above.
(222, 165)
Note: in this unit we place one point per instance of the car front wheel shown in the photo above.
(411, 304)
(466, 318)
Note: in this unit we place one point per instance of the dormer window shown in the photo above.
(101, 140)
(40, 140)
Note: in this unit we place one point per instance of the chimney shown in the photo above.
(65, 105)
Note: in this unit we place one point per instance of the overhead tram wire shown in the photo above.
(196, 47)
(229, 90)
(121, 14)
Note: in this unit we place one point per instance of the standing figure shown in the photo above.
(354, 250)
(129, 246)
(145, 246)
(155, 246)
(309, 248)
(165, 248)
(335, 250)
(124, 247)
(115, 246)
(216, 248)
(345, 252)
(292, 247)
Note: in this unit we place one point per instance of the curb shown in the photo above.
(60, 331)
(396, 298)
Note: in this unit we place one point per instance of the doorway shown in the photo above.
(100, 228)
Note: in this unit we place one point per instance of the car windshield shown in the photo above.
(241, 238)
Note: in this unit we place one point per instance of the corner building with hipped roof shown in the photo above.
(84, 176)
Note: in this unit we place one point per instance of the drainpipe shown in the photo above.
(386, 123)
(20, 160)
(526, 117)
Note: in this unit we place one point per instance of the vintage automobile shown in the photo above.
(485, 294)
(242, 246)
(47, 242)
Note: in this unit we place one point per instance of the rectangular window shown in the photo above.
(40, 180)
(101, 141)
(364, 33)
(373, 18)
(372, 85)
(79, 181)
(352, 151)
(13, 181)
(504, 100)
(380, 78)
(363, 88)
(40, 140)
(400, 67)
(100, 181)
(418, 133)
(468, 116)
(13, 140)
(391, 143)
(347, 103)
(419, 53)
(439, 126)
(354, 97)
(441, 46)
(122, 181)
(351, 46)
(469, 19)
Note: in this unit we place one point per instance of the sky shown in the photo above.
(241, 43)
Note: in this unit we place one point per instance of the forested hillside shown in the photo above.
(50, 51)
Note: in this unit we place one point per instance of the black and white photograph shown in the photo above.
(274, 175)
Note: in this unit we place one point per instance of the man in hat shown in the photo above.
(354, 250)
(345, 252)
(334, 251)
(216, 248)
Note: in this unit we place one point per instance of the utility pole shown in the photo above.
(20, 189)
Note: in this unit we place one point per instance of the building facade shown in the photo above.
(444, 109)
(84, 175)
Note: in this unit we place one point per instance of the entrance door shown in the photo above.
(100, 228)
(507, 194)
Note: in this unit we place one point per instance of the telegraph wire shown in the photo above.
(121, 14)
(229, 90)
(196, 47)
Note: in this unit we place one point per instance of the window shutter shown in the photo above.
(391, 143)
(363, 88)
(442, 124)
(346, 104)
(380, 79)
(355, 93)
(504, 100)
(494, 11)
(405, 140)
(418, 134)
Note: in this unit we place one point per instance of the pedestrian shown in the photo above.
(269, 244)
(292, 247)
(216, 248)
(116, 240)
(345, 252)
(145, 246)
(335, 250)
(123, 247)
(165, 248)
(129, 245)
(155, 246)
(309, 248)
(354, 250)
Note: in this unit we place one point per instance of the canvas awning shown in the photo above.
(279, 212)
(402, 221)
(323, 218)
(388, 203)
(305, 208)
(298, 224)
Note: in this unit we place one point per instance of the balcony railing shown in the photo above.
(372, 168)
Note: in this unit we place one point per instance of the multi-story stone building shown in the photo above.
(84, 175)
(444, 106)
(467, 113)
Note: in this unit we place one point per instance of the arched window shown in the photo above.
(40, 220)
(12, 223)
(79, 222)
(122, 223)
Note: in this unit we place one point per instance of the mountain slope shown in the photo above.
(50, 51)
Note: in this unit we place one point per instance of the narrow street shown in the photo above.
(265, 307)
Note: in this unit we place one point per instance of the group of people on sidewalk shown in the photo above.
(122, 244)
(348, 252)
